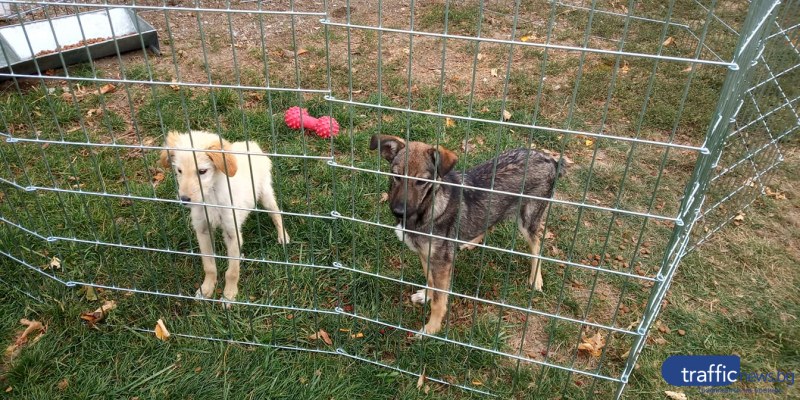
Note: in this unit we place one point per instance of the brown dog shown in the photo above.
(462, 213)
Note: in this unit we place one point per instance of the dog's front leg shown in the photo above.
(232, 242)
(206, 290)
(441, 280)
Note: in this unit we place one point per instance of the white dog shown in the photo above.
(218, 178)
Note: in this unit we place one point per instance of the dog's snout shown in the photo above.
(186, 199)
(398, 210)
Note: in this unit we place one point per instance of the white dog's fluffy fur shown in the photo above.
(218, 178)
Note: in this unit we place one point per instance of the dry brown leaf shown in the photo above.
(477, 382)
(481, 56)
(173, 86)
(739, 217)
(681, 332)
(15, 348)
(161, 331)
(421, 380)
(687, 69)
(506, 115)
(526, 38)
(668, 41)
(321, 335)
(549, 235)
(358, 335)
(9, 389)
(467, 146)
(384, 197)
(301, 51)
(675, 395)
(663, 328)
(593, 345)
(63, 384)
(774, 194)
(100, 314)
(66, 96)
(55, 263)
(493, 71)
(588, 142)
(449, 122)
(107, 88)
(660, 341)
(625, 67)
(158, 176)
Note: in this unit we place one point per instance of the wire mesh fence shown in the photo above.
(665, 116)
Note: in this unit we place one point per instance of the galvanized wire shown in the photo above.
(71, 189)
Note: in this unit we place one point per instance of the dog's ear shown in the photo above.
(165, 159)
(389, 145)
(443, 159)
(224, 162)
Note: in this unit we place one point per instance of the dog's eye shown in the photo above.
(421, 183)
(202, 171)
(180, 171)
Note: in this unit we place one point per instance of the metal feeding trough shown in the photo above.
(77, 38)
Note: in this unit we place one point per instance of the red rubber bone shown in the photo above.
(323, 127)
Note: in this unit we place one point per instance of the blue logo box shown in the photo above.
(681, 370)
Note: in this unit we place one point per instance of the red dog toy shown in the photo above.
(324, 127)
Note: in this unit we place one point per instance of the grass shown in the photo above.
(725, 297)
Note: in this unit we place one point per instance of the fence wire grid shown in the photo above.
(669, 117)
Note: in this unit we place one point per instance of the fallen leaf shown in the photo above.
(66, 96)
(660, 341)
(426, 389)
(63, 384)
(467, 146)
(668, 41)
(739, 217)
(506, 115)
(89, 293)
(681, 332)
(493, 71)
(161, 330)
(526, 38)
(301, 51)
(477, 382)
(100, 314)
(774, 194)
(449, 122)
(421, 380)
(107, 88)
(687, 69)
(663, 328)
(481, 56)
(358, 335)
(384, 197)
(173, 86)
(321, 335)
(588, 142)
(158, 176)
(593, 345)
(625, 67)
(55, 263)
(9, 389)
(675, 395)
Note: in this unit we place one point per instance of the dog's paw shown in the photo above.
(536, 283)
(466, 246)
(420, 297)
(226, 302)
(283, 239)
(199, 295)
(431, 328)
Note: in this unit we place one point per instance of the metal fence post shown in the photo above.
(760, 15)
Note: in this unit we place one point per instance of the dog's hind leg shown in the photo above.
(531, 228)
(204, 240)
(269, 202)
